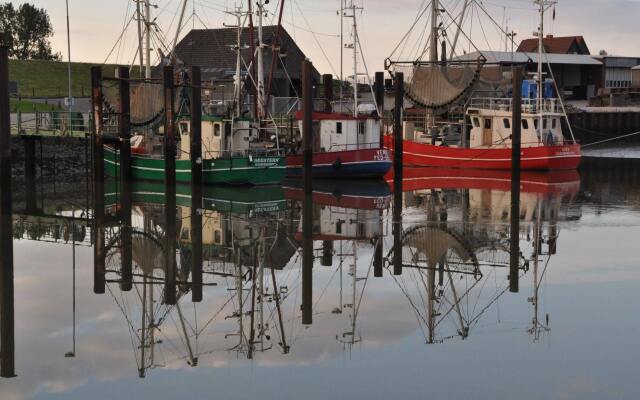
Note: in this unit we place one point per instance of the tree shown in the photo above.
(26, 32)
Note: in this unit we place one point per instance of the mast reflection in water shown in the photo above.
(454, 287)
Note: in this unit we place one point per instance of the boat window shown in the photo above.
(361, 127)
(217, 237)
(525, 124)
(476, 122)
(536, 123)
(507, 123)
(487, 123)
(554, 123)
(338, 127)
(545, 124)
(184, 128)
(216, 130)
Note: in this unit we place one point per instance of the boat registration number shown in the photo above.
(381, 155)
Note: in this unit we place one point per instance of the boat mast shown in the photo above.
(460, 22)
(355, 61)
(140, 41)
(237, 85)
(261, 102)
(341, 52)
(147, 11)
(433, 55)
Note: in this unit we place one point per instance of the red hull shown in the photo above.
(533, 158)
(543, 182)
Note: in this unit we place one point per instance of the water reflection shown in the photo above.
(453, 290)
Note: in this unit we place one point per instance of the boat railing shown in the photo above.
(353, 146)
(529, 106)
(248, 153)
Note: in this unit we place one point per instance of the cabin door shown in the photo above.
(487, 132)
(217, 145)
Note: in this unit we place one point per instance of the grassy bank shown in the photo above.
(30, 106)
(49, 78)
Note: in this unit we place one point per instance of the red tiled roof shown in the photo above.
(555, 45)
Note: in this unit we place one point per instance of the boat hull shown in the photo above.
(532, 158)
(232, 171)
(364, 163)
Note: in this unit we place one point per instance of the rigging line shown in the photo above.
(357, 309)
(493, 20)
(419, 16)
(415, 309)
(117, 41)
(122, 311)
(215, 315)
(316, 39)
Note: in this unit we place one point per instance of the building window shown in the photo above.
(338, 127)
(487, 123)
(476, 122)
(216, 130)
(507, 123)
(525, 124)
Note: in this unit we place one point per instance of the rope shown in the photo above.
(611, 139)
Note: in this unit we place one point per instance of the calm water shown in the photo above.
(446, 328)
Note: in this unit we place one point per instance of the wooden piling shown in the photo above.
(124, 124)
(170, 186)
(379, 92)
(99, 254)
(398, 173)
(7, 318)
(516, 148)
(30, 173)
(195, 146)
(307, 214)
(327, 84)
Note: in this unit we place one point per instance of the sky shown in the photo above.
(97, 25)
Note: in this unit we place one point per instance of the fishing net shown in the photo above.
(437, 86)
(146, 102)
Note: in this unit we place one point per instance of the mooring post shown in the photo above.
(307, 214)
(170, 187)
(124, 122)
(327, 84)
(379, 92)
(195, 147)
(99, 254)
(30, 173)
(7, 329)
(327, 253)
(398, 173)
(516, 136)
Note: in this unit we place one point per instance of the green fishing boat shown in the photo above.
(223, 199)
(230, 155)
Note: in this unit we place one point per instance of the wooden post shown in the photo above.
(307, 214)
(327, 84)
(516, 136)
(379, 91)
(327, 253)
(7, 329)
(195, 146)
(378, 258)
(30, 173)
(170, 187)
(124, 122)
(398, 173)
(99, 254)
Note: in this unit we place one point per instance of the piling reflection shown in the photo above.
(239, 266)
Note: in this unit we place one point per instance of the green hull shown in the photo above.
(231, 171)
(225, 199)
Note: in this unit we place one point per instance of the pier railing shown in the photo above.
(50, 123)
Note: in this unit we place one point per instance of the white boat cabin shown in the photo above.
(491, 123)
(221, 138)
(334, 132)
